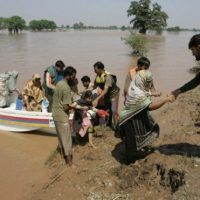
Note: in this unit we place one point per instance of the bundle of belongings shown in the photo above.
(8, 88)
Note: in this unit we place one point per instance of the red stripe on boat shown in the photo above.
(23, 118)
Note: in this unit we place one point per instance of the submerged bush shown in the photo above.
(137, 42)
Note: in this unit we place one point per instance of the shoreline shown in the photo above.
(100, 172)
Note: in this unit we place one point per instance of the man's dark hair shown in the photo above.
(85, 79)
(143, 61)
(68, 71)
(99, 65)
(194, 41)
(60, 64)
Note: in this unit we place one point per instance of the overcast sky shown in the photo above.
(183, 13)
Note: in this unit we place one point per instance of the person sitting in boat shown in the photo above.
(52, 75)
(33, 95)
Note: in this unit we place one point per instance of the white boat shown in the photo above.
(23, 121)
(16, 120)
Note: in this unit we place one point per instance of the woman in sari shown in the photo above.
(136, 125)
(33, 95)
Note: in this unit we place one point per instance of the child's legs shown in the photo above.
(90, 135)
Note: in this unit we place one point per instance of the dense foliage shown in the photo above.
(3, 24)
(14, 24)
(38, 25)
(176, 28)
(147, 17)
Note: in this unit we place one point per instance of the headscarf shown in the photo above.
(33, 90)
(137, 98)
(144, 80)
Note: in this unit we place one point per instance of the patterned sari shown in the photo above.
(136, 126)
(32, 94)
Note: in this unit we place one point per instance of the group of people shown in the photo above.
(100, 99)
(97, 104)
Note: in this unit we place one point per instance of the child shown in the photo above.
(82, 119)
(87, 84)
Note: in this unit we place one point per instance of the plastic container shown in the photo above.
(45, 104)
(19, 104)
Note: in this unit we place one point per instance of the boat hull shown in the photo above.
(23, 121)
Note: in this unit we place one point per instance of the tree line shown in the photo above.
(15, 24)
(145, 16)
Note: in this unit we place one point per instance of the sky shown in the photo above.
(183, 13)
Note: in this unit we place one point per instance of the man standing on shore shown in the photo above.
(194, 46)
(60, 111)
(110, 92)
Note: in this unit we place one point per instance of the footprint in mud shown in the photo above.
(171, 178)
(149, 176)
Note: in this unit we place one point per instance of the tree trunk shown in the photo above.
(10, 30)
(143, 30)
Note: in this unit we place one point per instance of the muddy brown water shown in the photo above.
(22, 156)
(32, 52)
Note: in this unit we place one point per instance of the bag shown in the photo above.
(7, 87)
(3, 89)
(12, 80)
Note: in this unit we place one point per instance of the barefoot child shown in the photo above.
(82, 121)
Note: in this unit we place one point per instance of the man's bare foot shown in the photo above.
(72, 165)
(136, 163)
(69, 162)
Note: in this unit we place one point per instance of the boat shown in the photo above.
(15, 119)
(24, 121)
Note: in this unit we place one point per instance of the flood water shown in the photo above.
(32, 52)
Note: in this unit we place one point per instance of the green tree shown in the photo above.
(15, 23)
(2, 23)
(35, 25)
(147, 17)
(176, 28)
(123, 28)
(79, 25)
(43, 24)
